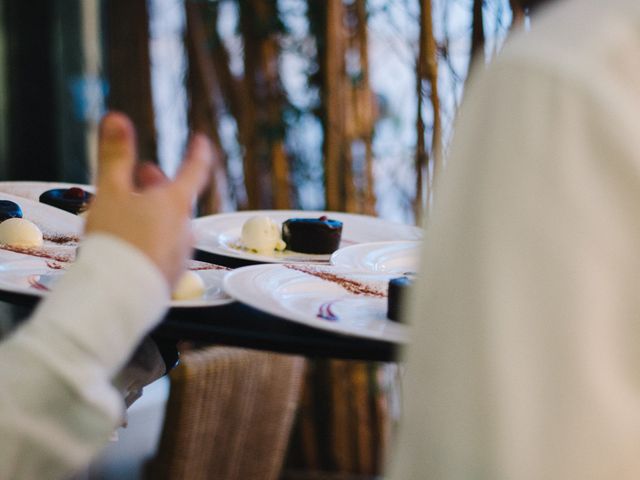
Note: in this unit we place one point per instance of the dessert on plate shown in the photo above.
(312, 235)
(21, 233)
(261, 234)
(190, 286)
(73, 200)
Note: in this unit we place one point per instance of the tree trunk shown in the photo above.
(233, 91)
(422, 157)
(427, 69)
(431, 50)
(334, 105)
(247, 126)
(274, 135)
(517, 12)
(266, 161)
(129, 69)
(477, 34)
(203, 117)
(366, 111)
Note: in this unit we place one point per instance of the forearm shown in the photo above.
(58, 406)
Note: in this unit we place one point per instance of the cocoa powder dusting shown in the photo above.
(60, 239)
(55, 265)
(38, 252)
(348, 284)
(208, 267)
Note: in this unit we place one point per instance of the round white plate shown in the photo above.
(220, 234)
(33, 190)
(396, 258)
(37, 277)
(317, 302)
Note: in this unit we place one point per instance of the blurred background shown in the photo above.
(344, 105)
(337, 104)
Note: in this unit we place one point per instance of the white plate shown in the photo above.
(33, 190)
(397, 258)
(220, 234)
(36, 277)
(307, 299)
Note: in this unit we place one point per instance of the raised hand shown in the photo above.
(153, 213)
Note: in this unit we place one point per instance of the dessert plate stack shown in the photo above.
(343, 293)
(35, 271)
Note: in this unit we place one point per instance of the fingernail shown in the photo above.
(112, 127)
(205, 142)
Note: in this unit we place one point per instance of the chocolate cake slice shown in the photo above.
(73, 200)
(312, 235)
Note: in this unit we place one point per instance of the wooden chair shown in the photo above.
(229, 415)
(347, 417)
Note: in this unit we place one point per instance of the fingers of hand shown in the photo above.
(116, 152)
(149, 175)
(194, 173)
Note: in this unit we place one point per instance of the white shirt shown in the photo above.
(525, 359)
(58, 406)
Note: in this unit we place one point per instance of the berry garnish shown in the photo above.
(73, 193)
(323, 218)
(9, 209)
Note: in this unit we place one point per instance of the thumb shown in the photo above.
(116, 152)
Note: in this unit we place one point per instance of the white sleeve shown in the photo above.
(525, 357)
(57, 404)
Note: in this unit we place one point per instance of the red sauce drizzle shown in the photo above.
(326, 312)
(34, 283)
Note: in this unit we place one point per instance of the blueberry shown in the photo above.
(9, 209)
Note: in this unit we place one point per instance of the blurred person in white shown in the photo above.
(58, 403)
(525, 357)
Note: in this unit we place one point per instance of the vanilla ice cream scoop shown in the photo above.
(190, 286)
(19, 232)
(262, 235)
